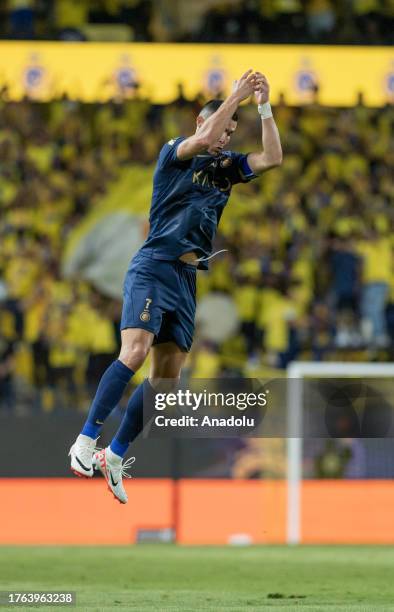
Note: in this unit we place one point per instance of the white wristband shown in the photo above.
(265, 110)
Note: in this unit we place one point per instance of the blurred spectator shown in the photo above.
(289, 19)
(246, 299)
(339, 458)
(332, 461)
(21, 16)
(322, 331)
(7, 394)
(260, 458)
(367, 15)
(376, 251)
(321, 19)
(344, 271)
(70, 17)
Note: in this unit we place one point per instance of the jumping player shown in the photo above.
(191, 186)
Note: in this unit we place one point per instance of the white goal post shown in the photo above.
(296, 372)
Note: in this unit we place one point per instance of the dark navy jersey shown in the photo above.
(188, 200)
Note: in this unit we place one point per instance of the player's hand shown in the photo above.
(245, 86)
(262, 88)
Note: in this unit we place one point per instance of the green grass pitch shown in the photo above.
(177, 578)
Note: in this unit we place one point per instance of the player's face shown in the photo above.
(224, 140)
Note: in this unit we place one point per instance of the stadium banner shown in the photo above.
(101, 71)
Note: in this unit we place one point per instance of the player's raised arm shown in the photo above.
(271, 155)
(209, 130)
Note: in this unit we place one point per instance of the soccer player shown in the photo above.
(191, 186)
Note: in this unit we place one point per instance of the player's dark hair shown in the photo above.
(211, 107)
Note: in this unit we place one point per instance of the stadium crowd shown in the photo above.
(309, 262)
(236, 21)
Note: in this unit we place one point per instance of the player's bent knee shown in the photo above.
(134, 356)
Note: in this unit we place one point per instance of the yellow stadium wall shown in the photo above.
(92, 71)
(71, 511)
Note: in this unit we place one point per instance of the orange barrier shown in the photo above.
(68, 511)
(348, 511)
(212, 511)
(78, 511)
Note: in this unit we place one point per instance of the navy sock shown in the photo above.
(108, 395)
(132, 422)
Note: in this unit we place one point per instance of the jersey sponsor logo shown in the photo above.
(145, 314)
(205, 180)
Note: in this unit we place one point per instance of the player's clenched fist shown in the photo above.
(246, 85)
(262, 88)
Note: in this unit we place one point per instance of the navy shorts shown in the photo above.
(160, 296)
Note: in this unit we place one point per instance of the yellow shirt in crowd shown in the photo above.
(377, 260)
